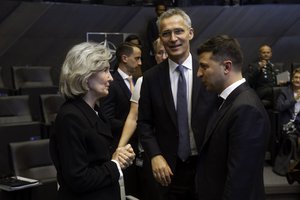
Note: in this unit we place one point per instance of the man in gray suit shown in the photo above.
(231, 158)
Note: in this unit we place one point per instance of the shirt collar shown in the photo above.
(123, 74)
(188, 63)
(230, 88)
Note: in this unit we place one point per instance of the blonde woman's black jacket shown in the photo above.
(81, 151)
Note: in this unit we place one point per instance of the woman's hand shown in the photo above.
(124, 156)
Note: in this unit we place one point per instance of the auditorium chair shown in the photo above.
(32, 77)
(32, 159)
(294, 65)
(34, 81)
(279, 67)
(50, 105)
(275, 136)
(16, 124)
(4, 91)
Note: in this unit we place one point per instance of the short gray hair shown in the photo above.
(81, 62)
(172, 12)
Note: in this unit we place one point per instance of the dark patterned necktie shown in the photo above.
(184, 149)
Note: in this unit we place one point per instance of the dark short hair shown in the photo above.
(125, 48)
(160, 3)
(223, 47)
(129, 38)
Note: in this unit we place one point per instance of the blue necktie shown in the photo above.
(184, 149)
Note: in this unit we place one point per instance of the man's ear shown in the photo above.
(191, 33)
(124, 58)
(227, 66)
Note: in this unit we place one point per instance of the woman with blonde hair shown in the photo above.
(87, 167)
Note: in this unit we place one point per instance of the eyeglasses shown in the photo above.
(177, 32)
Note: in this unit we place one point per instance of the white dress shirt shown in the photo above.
(188, 74)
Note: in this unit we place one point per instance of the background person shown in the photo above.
(261, 75)
(134, 39)
(231, 158)
(288, 105)
(116, 104)
(148, 185)
(80, 147)
(130, 124)
(288, 101)
(152, 29)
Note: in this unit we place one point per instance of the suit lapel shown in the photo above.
(120, 81)
(167, 95)
(98, 122)
(165, 84)
(223, 110)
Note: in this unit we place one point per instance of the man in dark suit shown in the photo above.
(161, 128)
(231, 159)
(116, 105)
(261, 75)
(152, 30)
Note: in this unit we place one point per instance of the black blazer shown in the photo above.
(157, 121)
(116, 105)
(231, 159)
(285, 104)
(81, 152)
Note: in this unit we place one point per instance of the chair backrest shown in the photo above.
(279, 67)
(4, 90)
(50, 106)
(15, 109)
(294, 66)
(32, 76)
(32, 159)
(1, 78)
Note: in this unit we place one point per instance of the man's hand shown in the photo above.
(297, 97)
(161, 170)
(262, 63)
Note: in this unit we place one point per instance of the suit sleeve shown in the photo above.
(77, 171)
(285, 100)
(247, 140)
(145, 121)
(251, 74)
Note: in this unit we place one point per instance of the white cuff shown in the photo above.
(119, 168)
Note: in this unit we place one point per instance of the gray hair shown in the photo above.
(172, 12)
(81, 62)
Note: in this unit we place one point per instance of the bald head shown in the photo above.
(265, 52)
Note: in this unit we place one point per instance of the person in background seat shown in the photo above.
(261, 75)
(288, 101)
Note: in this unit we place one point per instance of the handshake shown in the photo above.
(124, 156)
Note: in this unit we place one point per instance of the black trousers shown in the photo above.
(150, 188)
(182, 186)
